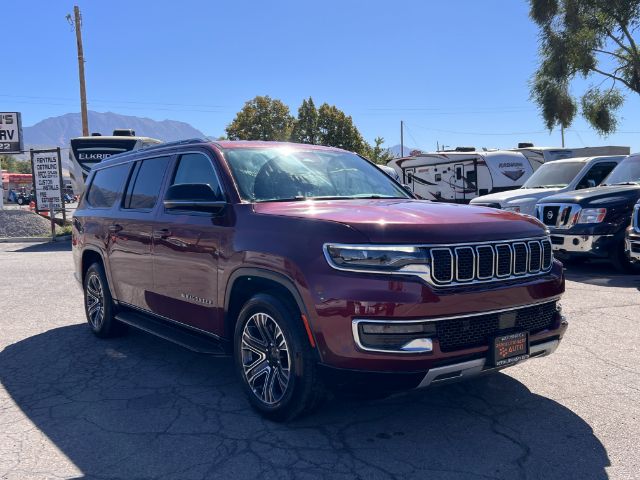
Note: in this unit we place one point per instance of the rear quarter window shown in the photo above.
(106, 186)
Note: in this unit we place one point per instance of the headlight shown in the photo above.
(377, 257)
(514, 209)
(592, 215)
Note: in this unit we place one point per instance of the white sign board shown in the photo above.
(46, 179)
(10, 132)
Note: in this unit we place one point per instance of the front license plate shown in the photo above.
(510, 348)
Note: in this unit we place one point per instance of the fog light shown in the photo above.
(418, 345)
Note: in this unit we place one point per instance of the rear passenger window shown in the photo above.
(106, 186)
(196, 168)
(145, 183)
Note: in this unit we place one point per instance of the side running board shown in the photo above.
(179, 335)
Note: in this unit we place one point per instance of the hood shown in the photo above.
(513, 195)
(598, 196)
(411, 221)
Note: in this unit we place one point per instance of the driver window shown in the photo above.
(196, 168)
(596, 175)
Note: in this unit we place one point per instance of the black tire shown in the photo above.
(264, 323)
(620, 260)
(98, 304)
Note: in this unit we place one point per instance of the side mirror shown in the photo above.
(193, 196)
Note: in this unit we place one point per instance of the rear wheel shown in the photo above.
(98, 304)
(274, 360)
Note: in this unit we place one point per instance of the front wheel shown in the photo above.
(620, 259)
(274, 360)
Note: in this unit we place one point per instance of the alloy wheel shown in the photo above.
(266, 361)
(95, 301)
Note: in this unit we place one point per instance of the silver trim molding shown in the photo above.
(476, 367)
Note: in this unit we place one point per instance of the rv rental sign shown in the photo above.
(47, 179)
(10, 132)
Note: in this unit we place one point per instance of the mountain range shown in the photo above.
(57, 131)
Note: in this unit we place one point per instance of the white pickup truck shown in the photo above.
(551, 178)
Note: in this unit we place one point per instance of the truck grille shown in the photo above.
(558, 215)
(476, 331)
(635, 221)
(489, 262)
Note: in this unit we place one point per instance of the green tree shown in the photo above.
(10, 164)
(262, 118)
(336, 129)
(378, 154)
(591, 39)
(305, 129)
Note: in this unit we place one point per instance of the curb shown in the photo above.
(59, 238)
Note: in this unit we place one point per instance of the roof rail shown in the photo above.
(173, 144)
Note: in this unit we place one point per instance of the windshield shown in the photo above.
(285, 173)
(554, 174)
(628, 171)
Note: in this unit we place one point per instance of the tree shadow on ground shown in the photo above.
(138, 407)
(59, 246)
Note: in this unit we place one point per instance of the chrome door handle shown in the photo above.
(115, 228)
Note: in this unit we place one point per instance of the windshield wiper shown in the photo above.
(627, 183)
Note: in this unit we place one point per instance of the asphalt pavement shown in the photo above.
(74, 406)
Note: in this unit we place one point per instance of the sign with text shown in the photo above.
(10, 132)
(47, 179)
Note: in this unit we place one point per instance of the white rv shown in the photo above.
(551, 178)
(459, 176)
(547, 154)
(85, 152)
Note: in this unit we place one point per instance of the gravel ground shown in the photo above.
(137, 407)
(22, 223)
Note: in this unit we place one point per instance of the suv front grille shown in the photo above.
(635, 221)
(476, 331)
(462, 264)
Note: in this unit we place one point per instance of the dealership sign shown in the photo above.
(10, 132)
(47, 179)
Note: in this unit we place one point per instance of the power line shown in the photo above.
(488, 134)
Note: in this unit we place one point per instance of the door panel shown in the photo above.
(185, 254)
(130, 233)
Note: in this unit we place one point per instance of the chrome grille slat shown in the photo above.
(636, 218)
(493, 261)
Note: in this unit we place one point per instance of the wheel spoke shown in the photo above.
(252, 343)
(261, 323)
(267, 389)
(256, 370)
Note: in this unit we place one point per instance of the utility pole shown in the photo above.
(77, 24)
(401, 138)
(562, 132)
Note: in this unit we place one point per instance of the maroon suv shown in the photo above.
(312, 267)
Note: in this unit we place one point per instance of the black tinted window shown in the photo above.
(596, 175)
(144, 185)
(106, 186)
(196, 168)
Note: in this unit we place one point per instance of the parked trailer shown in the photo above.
(547, 154)
(85, 152)
(460, 176)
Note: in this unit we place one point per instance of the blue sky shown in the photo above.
(455, 71)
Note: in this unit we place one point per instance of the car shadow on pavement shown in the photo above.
(138, 407)
(601, 274)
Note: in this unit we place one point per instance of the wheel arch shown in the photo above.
(244, 283)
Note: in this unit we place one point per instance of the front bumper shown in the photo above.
(366, 382)
(590, 245)
(632, 245)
